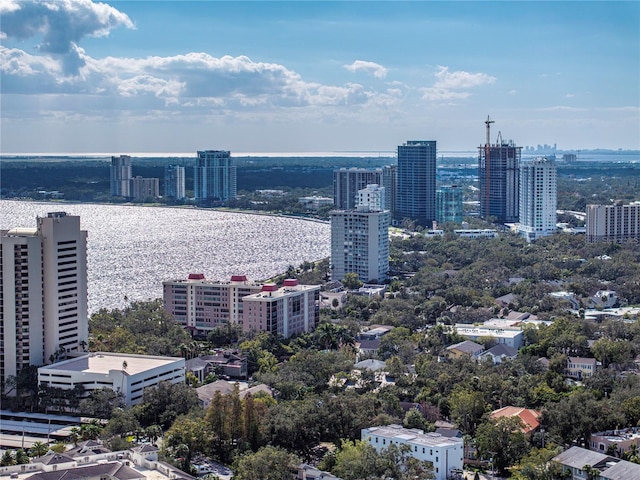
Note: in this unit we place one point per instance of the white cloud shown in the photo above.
(460, 79)
(372, 68)
(569, 95)
(442, 95)
(62, 25)
(513, 92)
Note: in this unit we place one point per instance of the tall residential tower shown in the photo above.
(214, 176)
(43, 294)
(538, 198)
(174, 182)
(416, 182)
(121, 176)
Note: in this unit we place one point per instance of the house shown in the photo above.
(621, 440)
(604, 299)
(367, 347)
(445, 453)
(499, 353)
(309, 472)
(375, 331)
(514, 337)
(230, 363)
(579, 368)
(580, 463)
(506, 300)
(208, 391)
(530, 418)
(465, 348)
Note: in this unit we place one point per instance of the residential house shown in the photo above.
(465, 348)
(604, 299)
(622, 440)
(530, 418)
(499, 353)
(229, 363)
(582, 464)
(208, 391)
(579, 368)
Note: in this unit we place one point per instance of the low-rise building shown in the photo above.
(127, 374)
(579, 368)
(620, 440)
(499, 353)
(465, 348)
(603, 467)
(229, 363)
(445, 453)
(514, 338)
(530, 419)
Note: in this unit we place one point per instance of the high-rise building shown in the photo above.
(416, 187)
(390, 184)
(449, 204)
(174, 182)
(538, 198)
(360, 239)
(145, 188)
(215, 176)
(613, 223)
(347, 182)
(498, 174)
(43, 294)
(289, 310)
(121, 176)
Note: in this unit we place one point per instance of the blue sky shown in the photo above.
(162, 76)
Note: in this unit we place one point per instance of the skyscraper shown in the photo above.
(121, 176)
(143, 189)
(174, 182)
(416, 187)
(449, 204)
(360, 238)
(43, 294)
(347, 182)
(214, 176)
(498, 173)
(538, 198)
(390, 184)
(613, 223)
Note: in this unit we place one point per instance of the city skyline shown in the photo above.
(129, 77)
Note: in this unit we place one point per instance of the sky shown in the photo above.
(122, 77)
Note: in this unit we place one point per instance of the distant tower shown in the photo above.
(215, 176)
(43, 292)
(174, 182)
(360, 238)
(347, 182)
(121, 176)
(538, 198)
(416, 187)
(390, 184)
(498, 173)
(449, 204)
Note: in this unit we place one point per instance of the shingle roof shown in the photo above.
(577, 457)
(622, 470)
(467, 347)
(501, 349)
(115, 470)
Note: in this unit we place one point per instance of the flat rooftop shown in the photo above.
(104, 362)
(415, 436)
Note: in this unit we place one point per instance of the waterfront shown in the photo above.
(132, 249)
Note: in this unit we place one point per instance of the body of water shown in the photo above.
(132, 249)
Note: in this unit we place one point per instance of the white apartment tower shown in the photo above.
(174, 182)
(360, 238)
(43, 295)
(214, 176)
(613, 223)
(121, 176)
(538, 198)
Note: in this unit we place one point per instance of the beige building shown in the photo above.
(145, 188)
(613, 223)
(43, 294)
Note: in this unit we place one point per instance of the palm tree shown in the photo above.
(326, 336)
(38, 449)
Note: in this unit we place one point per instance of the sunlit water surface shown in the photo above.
(132, 249)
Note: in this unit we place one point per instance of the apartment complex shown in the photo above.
(43, 294)
(127, 374)
(498, 175)
(613, 223)
(214, 176)
(445, 453)
(174, 182)
(416, 182)
(121, 176)
(347, 182)
(360, 238)
(449, 204)
(538, 198)
(286, 311)
(145, 188)
(202, 305)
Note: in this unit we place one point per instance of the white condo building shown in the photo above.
(121, 176)
(214, 176)
(125, 373)
(174, 182)
(43, 294)
(538, 198)
(613, 223)
(445, 453)
(360, 238)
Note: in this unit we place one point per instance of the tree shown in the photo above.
(38, 449)
(268, 463)
(8, 459)
(351, 281)
(22, 457)
(503, 441)
(100, 403)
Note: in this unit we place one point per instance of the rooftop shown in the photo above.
(415, 436)
(100, 362)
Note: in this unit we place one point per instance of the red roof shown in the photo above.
(238, 278)
(269, 287)
(196, 276)
(530, 418)
(290, 282)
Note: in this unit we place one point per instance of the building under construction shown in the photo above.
(498, 174)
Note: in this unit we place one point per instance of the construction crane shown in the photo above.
(487, 167)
